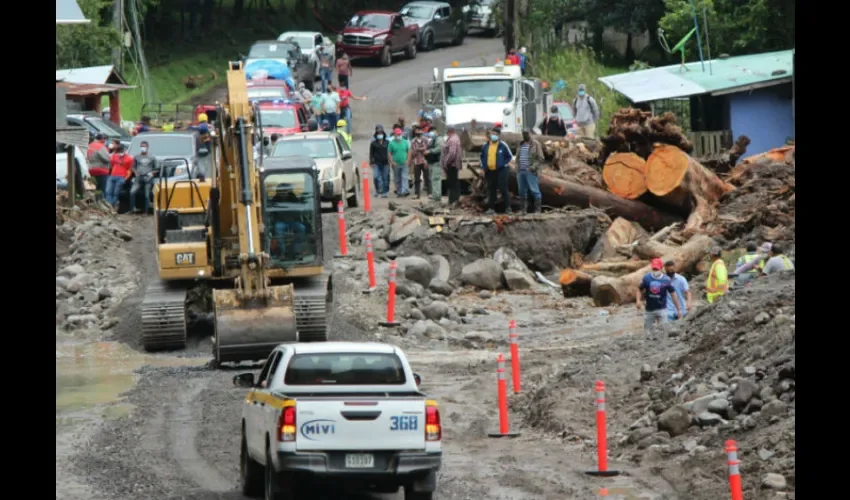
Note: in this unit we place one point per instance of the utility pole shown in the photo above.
(118, 24)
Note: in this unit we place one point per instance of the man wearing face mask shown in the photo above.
(658, 289)
(586, 112)
(530, 157)
(418, 147)
(399, 156)
(144, 166)
(683, 291)
(553, 124)
(120, 165)
(379, 158)
(495, 157)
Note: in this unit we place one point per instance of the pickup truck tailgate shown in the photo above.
(374, 424)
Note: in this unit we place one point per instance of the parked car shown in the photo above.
(481, 15)
(97, 125)
(565, 112)
(264, 54)
(180, 153)
(378, 34)
(437, 23)
(261, 89)
(282, 117)
(339, 176)
(62, 167)
(308, 42)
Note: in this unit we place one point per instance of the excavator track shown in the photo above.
(314, 307)
(164, 317)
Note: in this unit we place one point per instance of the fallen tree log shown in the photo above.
(607, 290)
(625, 175)
(616, 266)
(474, 140)
(634, 131)
(573, 169)
(650, 249)
(680, 181)
(575, 283)
(621, 232)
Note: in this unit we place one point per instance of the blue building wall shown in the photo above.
(765, 116)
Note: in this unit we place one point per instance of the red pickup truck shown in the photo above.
(378, 34)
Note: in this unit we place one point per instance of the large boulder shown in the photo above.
(436, 310)
(517, 280)
(417, 269)
(406, 288)
(441, 287)
(441, 267)
(675, 420)
(508, 259)
(483, 273)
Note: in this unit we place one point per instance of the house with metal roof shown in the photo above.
(750, 95)
(87, 86)
(68, 12)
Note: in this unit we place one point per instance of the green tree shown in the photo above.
(734, 26)
(82, 45)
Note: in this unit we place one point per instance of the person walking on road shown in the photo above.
(495, 157)
(326, 70)
(144, 167)
(98, 158)
(330, 105)
(655, 289)
(340, 129)
(586, 113)
(343, 71)
(379, 158)
(716, 285)
(683, 292)
(553, 124)
(120, 166)
(435, 149)
(344, 106)
(399, 156)
(778, 261)
(530, 158)
(418, 148)
(451, 158)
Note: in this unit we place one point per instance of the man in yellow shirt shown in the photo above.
(717, 283)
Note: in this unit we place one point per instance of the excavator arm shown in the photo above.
(253, 316)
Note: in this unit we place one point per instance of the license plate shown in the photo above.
(360, 461)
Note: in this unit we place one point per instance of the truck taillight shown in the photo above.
(286, 431)
(433, 429)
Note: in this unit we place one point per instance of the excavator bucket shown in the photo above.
(248, 330)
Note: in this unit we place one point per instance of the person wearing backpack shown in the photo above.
(586, 113)
(553, 124)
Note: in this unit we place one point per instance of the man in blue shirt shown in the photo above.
(683, 291)
(658, 289)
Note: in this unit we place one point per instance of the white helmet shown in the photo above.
(438, 113)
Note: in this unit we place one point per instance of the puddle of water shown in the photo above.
(93, 374)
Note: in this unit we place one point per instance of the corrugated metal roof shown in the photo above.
(92, 74)
(68, 12)
(86, 89)
(721, 76)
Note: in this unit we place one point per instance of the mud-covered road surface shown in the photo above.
(174, 432)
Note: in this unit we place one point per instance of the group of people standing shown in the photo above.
(111, 167)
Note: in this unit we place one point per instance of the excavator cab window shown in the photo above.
(290, 211)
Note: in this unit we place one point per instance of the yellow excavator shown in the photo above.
(251, 235)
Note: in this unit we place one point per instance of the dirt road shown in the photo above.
(178, 437)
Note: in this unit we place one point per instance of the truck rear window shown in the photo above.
(345, 369)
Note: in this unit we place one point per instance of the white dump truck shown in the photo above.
(348, 414)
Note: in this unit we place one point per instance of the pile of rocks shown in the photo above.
(736, 381)
(93, 270)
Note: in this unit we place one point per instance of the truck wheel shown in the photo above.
(409, 494)
(272, 489)
(250, 471)
(386, 57)
(410, 52)
(428, 41)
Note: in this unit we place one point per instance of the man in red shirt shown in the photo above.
(98, 158)
(121, 164)
(512, 57)
(344, 106)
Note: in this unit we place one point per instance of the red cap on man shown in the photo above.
(657, 264)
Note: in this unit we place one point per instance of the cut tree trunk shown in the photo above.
(616, 267)
(621, 232)
(606, 290)
(474, 140)
(575, 283)
(571, 168)
(650, 249)
(625, 175)
(680, 181)
(560, 193)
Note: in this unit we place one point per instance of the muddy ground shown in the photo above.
(166, 426)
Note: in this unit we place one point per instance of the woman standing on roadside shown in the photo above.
(380, 160)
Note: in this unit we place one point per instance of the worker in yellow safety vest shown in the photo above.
(717, 283)
(778, 261)
(752, 270)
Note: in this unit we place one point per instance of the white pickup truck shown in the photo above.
(338, 413)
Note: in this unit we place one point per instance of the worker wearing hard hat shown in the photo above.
(340, 129)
